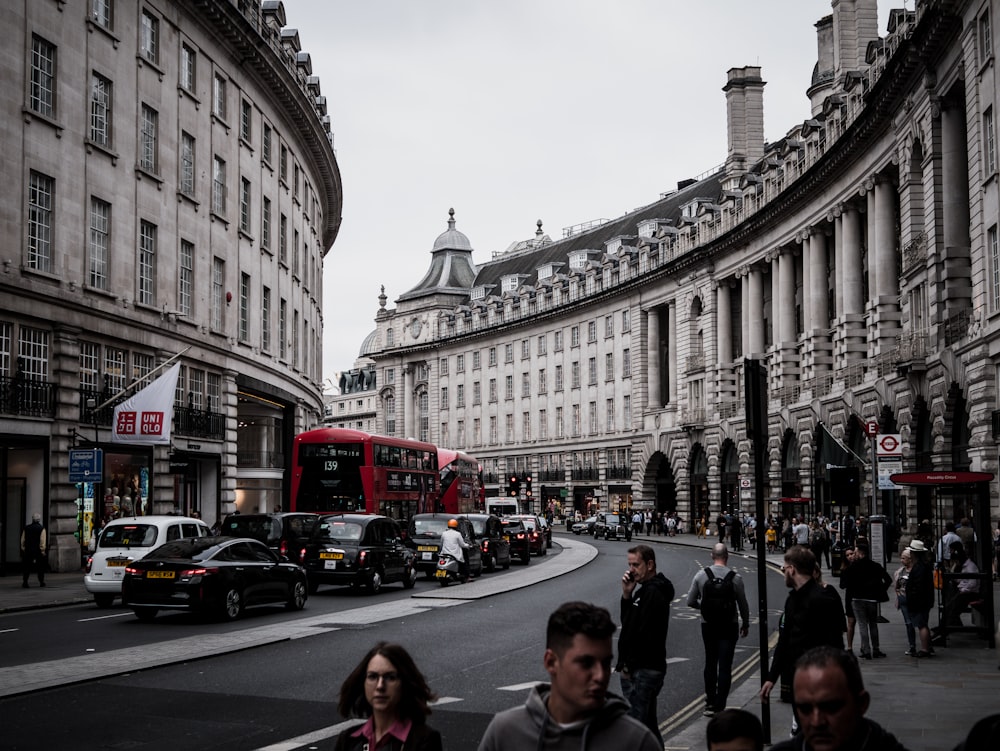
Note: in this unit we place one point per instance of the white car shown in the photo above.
(129, 539)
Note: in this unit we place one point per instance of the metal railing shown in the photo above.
(199, 423)
(26, 396)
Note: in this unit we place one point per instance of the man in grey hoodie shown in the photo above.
(575, 711)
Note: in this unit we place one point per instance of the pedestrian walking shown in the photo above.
(920, 595)
(575, 710)
(718, 592)
(33, 546)
(867, 582)
(899, 580)
(642, 647)
(389, 691)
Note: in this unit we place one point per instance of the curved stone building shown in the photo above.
(857, 258)
(171, 189)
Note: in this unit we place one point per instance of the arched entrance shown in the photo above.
(729, 477)
(699, 481)
(659, 481)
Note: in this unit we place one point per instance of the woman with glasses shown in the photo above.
(387, 688)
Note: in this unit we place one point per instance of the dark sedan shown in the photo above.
(489, 534)
(363, 550)
(519, 538)
(536, 534)
(213, 575)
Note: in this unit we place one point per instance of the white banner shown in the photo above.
(147, 415)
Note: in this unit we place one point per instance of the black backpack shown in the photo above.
(718, 599)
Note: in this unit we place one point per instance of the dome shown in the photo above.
(451, 238)
(369, 345)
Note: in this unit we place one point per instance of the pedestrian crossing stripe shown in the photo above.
(446, 700)
(518, 686)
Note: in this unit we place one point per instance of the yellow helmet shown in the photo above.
(453, 523)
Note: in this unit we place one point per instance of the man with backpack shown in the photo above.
(718, 592)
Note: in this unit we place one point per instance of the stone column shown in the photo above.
(803, 238)
(745, 307)
(653, 357)
(723, 324)
(849, 338)
(756, 312)
(407, 402)
(884, 324)
(786, 300)
(819, 301)
(672, 359)
(955, 203)
(837, 218)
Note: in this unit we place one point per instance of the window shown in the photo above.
(282, 328)
(265, 144)
(443, 366)
(189, 60)
(494, 437)
(592, 331)
(390, 415)
(460, 395)
(560, 426)
(102, 13)
(493, 356)
(459, 363)
(244, 307)
(542, 386)
(185, 278)
(993, 244)
(559, 378)
(149, 37)
(283, 239)
(509, 428)
(444, 397)
(627, 411)
(626, 321)
(609, 367)
(100, 110)
(574, 336)
(592, 409)
(187, 164)
(283, 164)
(246, 121)
(543, 424)
(989, 143)
(525, 349)
(245, 205)
(41, 195)
(508, 387)
(476, 360)
(265, 224)
(592, 371)
(477, 431)
(541, 345)
(147, 263)
(526, 426)
(90, 359)
(100, 242)
(477, 392)
(219, 186)
(525, 384)
(508, 352)
(265, 319)
(609, 416)
(576, 419)
(218, 292)
(296, 182)
(147, 139)
(557, 343)
(460, 431)
(493, 389)
(626, 363)
(609, 326)
(219, 97)
(985, 37)
(42, 92)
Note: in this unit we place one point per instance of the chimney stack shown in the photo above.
(855, 24)
(745, 118)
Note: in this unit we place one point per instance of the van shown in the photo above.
(129, 539)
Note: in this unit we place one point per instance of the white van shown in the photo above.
(129, 539)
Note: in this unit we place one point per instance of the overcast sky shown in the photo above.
(511, 111)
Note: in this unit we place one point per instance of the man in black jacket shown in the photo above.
(867, 583)
(642, 646)
(830, 703)
(33, 545)
(811, 619)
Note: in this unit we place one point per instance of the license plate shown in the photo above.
(159, 574)
(422, 548)
(331, 556)
(506, 538)
(112, 562)
(427, 556)
(329, 564)
(441, 574)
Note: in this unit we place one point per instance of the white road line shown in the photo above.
(518, 686)
(446, 700)
(9, 630)
(314, 737)
(672, 660)
(129, 614)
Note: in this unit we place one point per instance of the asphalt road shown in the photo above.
(480, 656)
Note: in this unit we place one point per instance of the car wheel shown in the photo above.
(607, 535)
(104, 600)
(491, 563)
(527, 560)
(297, 597)
(313, 585)
(543, 551)
(144, 614)
(375, 583)
(507, 564)
(232, 604)
(411, 578)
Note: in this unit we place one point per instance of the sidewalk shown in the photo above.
(928, 704)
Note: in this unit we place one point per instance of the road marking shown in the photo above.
(446, 700)
(314, 737)
(518, 686)
(672, 660)
(103, 617)
(9, 630)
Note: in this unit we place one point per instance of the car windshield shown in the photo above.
(338, 531)
(612, 519)
(478, 526)
(128, 536)
(188, 549)
(512, 525)
(258, 527)
(529, 523)
(429, 527)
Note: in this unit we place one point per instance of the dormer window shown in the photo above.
(578, 260)
(478, 293)
(689, 210)
(510, 283)
(548, 271)
(648, 228)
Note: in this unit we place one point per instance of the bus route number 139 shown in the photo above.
(330, 465)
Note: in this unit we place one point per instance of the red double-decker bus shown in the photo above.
(337, 469)
(461, 482)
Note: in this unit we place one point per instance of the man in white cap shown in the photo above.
(920, 595)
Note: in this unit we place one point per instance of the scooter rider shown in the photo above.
(453, 544)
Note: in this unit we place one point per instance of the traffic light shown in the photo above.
(527, 486)
(514, 486)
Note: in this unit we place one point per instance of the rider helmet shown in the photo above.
(453, 523)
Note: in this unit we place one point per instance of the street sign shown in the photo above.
(889, 445)
(86, 465)
(871, 428)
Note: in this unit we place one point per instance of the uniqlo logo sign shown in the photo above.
(126, 423)
(152, 423)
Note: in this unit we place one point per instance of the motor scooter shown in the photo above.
(447, 570)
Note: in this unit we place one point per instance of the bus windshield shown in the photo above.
(331, 477)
